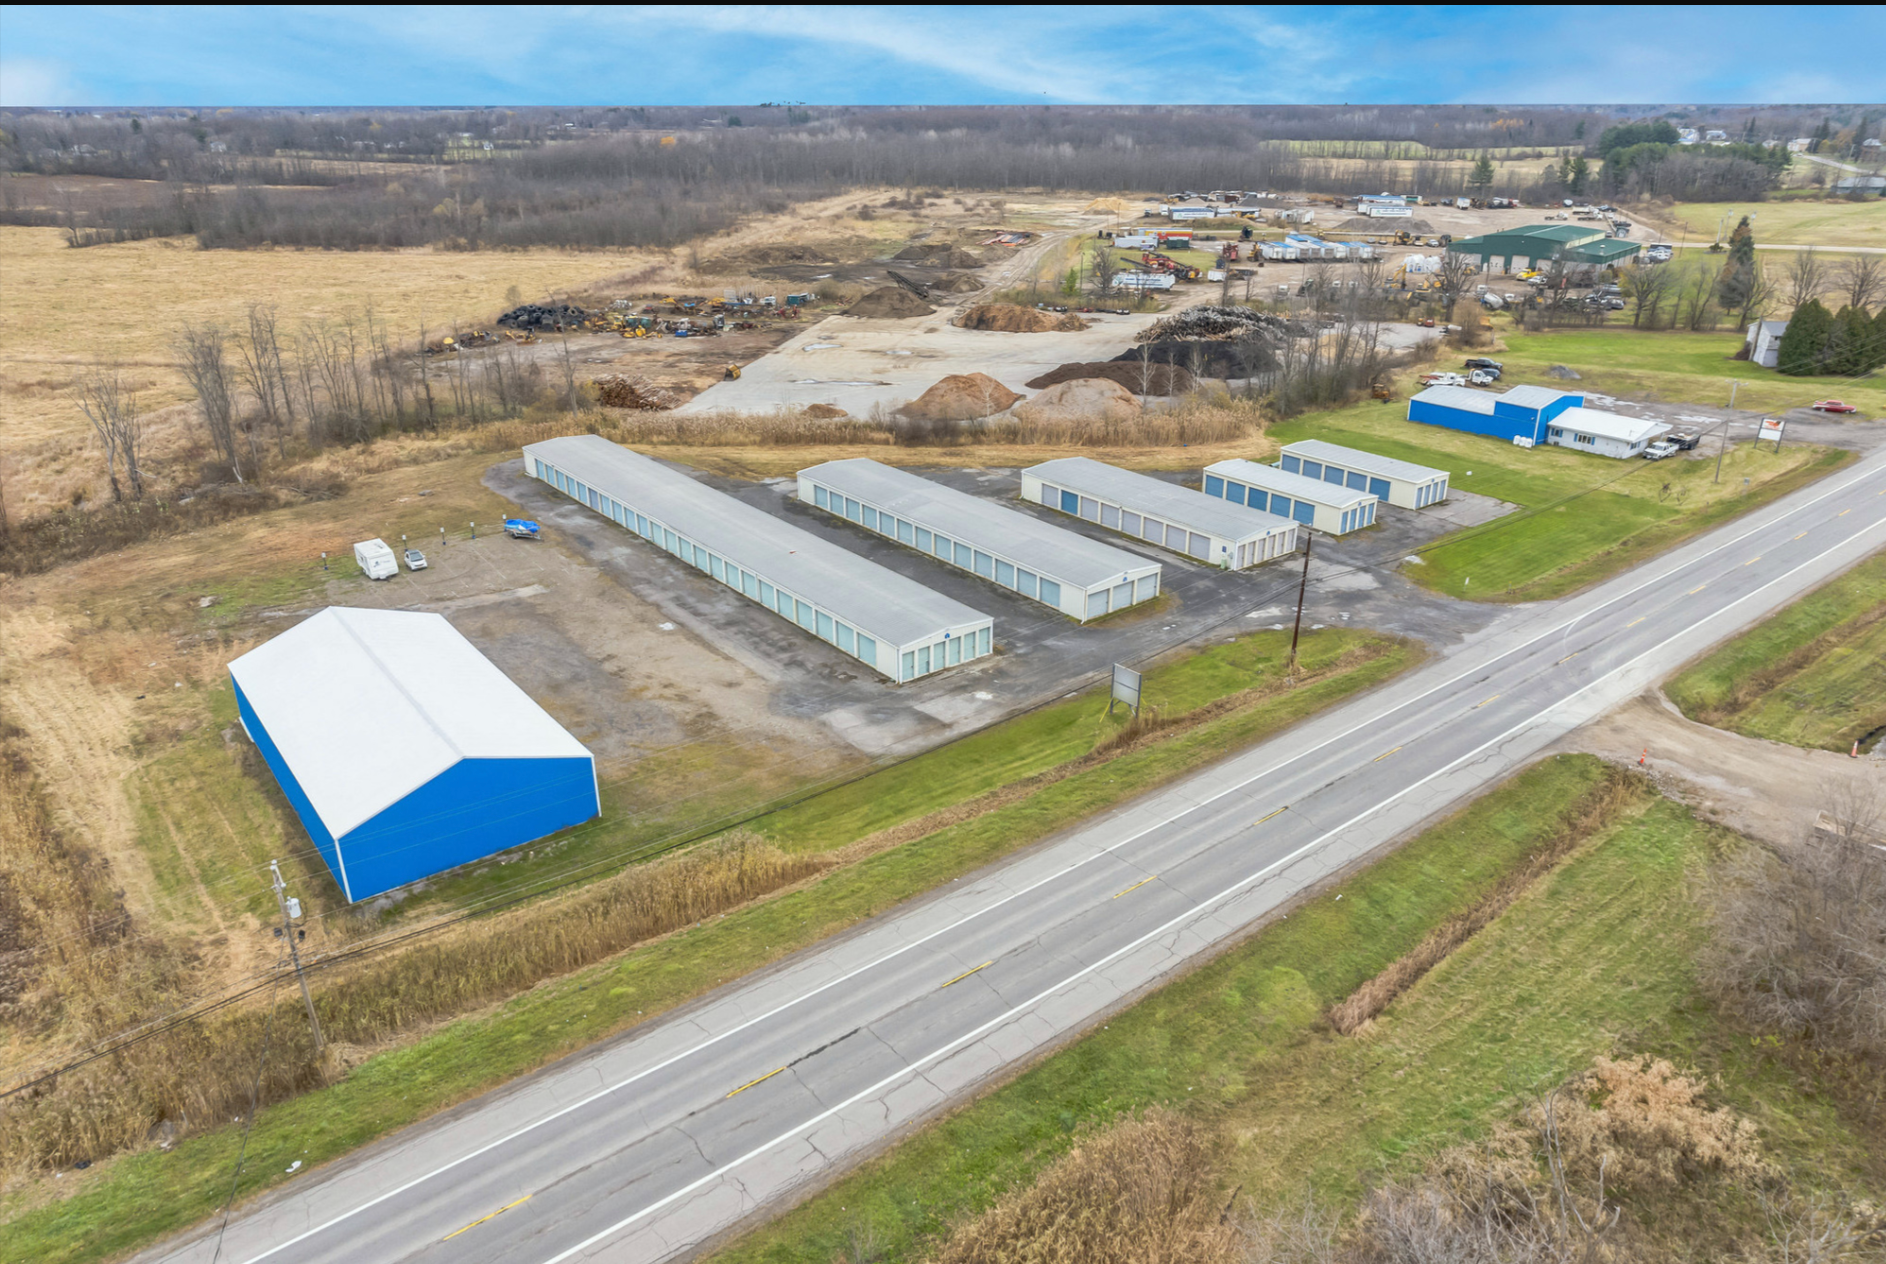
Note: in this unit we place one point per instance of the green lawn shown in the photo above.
(1583, 517)
(1813, 675)
(1596, 958)
(124, 1203)
(1788, 221)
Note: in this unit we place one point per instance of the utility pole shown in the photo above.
(294, 954)
(1302, 586)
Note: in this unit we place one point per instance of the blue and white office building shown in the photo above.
(1328, 507)
(892, 624)
(404, 751)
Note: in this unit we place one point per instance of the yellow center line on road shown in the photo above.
(1274, 812)
(1476, 706)
(965, 974)
(1639, 619)
(1799, 536)
(1843, 513)
(494, 1215)
(769, 1075)
(1569, 657)
(1753, 560)
(1384, 755)
(1692, 592)
(1136, 886)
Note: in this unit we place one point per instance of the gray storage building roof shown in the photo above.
(1463, 398)
(1145, 494)
(1368, 462)
(1022, 538)
(1532, 396)
(897, 610)
(1296, 486)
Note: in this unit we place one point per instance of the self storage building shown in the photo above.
(1328, 507)
(1079, 577)
(404, 751)
(1151, 509)
(1400, 483)
(893, 625)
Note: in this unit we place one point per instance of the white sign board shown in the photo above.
(1125, 687)
(1771, 429)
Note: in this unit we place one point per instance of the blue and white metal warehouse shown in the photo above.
(1529, 415)
(404, 751)
(1081, 578)
(893, 625)
(1401, 483)
(1158, 512)
(1329, 507)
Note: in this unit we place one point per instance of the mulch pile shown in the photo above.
(893, 301)
(1207, 357)
(961, 397)
(1208, 321)
(1148, 379)
(824, 412)
(622, 391)
(543, 316)
(1013, 318)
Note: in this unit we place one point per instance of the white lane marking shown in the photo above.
(1374, 722)
(1204, 906)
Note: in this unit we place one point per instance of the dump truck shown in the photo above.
(375, 559)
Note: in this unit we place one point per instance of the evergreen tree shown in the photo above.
(1565, 172)
(1580, 175)
(1578, 133)
(1822, 135)
(1482, 173)
(1799, 354)
(1878, 344)
(1748, 133)
(1737, 281)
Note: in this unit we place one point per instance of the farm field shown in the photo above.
(1809, 676)
(1778, 222)
(1583, 517)
(1596, 956)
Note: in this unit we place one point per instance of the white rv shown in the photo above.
(375, 559)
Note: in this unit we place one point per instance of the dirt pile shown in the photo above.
(1563, 373)
(1107, 206)
(1081, 399)
(824, 412)
(543, 316)
(1013, 318)
(1207, 357)
(625, 391)
(960, 397)
(1150, 378)
(892, 301)
(956, 283)
(1367, 225)
(939, 255)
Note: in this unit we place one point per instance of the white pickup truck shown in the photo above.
(375, 559)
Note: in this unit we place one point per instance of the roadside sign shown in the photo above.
(1771, 429)
(1125, 688)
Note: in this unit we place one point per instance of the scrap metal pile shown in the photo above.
(632, 391)
(544, 316)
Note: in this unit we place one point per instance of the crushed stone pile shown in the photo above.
(961, 397)
(893, 301)
(956, 283)
(940, 254)
(1368, 225)
(1208, 357)
(1564, 373)
(825, 412)
(1208, 321)
(1081, 399)
(1141, 379)
(1013, 318)
(624, 391)
(543, 316)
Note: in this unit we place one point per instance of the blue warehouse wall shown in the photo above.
(1499, 427)
(472, 809)
(297, 798)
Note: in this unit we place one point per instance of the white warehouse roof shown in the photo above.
(1144, 494)
(1296, 486)
(368, 705)
(1367, 462)
(1024, 539)
(1605, 425)
(873, 598)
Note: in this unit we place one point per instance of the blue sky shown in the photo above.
(870, 54)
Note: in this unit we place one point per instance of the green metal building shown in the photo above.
(1536, 245)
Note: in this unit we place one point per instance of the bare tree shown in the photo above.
(1451, 280)
(205, 366)
(1106, 266)
(1863, 277)
(1807, 277)
(1648, 288)
(1695, 296)
(262, 372)
(1755, 299)
(113, 412)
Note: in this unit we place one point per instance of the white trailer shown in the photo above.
(1136, 241)
(1144, 281)
(375, 559)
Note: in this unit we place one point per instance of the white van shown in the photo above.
(375, 559)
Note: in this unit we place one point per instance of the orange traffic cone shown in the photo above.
(1641, 758)
(1855, 752)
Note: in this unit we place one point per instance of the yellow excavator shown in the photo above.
(733, 373)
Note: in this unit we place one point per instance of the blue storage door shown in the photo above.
(1070, 503)
(1378, 487)
(1304, 511)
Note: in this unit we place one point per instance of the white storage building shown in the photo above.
(1400, 483)
(1607, 434)
(892, 624)
(1154, 510)
(1310, 501)
(1079, 577)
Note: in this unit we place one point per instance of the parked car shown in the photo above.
(1660, 449)
(1481, 362)
(1604, 304)
(415, 560)
(1483, 377)
(1685, 440)
(1832, 406)
(1443, 379)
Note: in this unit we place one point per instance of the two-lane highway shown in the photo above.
(652, 1144)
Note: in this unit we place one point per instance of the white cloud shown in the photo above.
(25, 82)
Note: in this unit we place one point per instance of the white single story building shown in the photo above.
(1400, 483)
(1764, 342)
(1607, 434)
(1146, 508)
(1310, 501)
